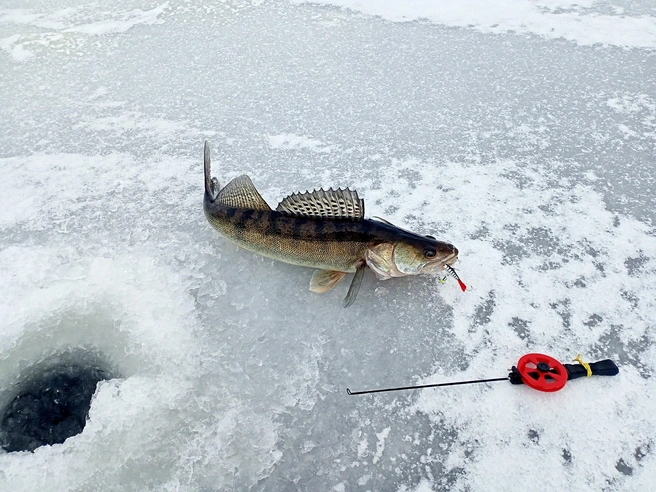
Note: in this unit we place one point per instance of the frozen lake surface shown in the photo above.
(522, 132)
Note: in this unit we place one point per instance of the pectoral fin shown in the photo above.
(355, 285)
(324, 280)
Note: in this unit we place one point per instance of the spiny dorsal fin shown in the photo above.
(331, 204)
(241, 193)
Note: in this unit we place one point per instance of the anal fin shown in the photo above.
(324, 280)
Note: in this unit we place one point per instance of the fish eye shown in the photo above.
(429, 252)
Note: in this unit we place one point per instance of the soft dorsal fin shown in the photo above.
(241, 193)
(331, 204)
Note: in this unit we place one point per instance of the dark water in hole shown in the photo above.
(50, 407)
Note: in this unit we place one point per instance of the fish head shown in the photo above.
(410, 256)
(423, 256)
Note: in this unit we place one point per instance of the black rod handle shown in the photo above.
(602, 368)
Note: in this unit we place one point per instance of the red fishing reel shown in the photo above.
(542, 372)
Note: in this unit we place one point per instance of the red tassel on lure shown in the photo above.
(453, 273)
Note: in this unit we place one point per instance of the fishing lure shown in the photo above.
(537, 371)
(452, 271)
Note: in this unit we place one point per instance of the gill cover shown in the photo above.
(409, 259)
(380, 260)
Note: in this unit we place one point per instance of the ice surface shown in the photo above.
(586, 22)
(530, 148)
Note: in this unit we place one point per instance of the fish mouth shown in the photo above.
(436, 267)
(451, 258)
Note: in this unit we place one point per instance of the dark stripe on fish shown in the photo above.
(271, 222)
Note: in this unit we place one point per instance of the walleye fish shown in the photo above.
(323, 229)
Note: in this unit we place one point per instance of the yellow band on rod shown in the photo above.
(584, 364)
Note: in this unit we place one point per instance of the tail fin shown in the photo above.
(211, 184)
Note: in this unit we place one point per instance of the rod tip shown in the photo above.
(348, 391)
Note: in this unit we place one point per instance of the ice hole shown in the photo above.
(51, 402)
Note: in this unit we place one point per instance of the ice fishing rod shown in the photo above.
(537, 371)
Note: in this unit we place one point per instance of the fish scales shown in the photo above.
(325, 244)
